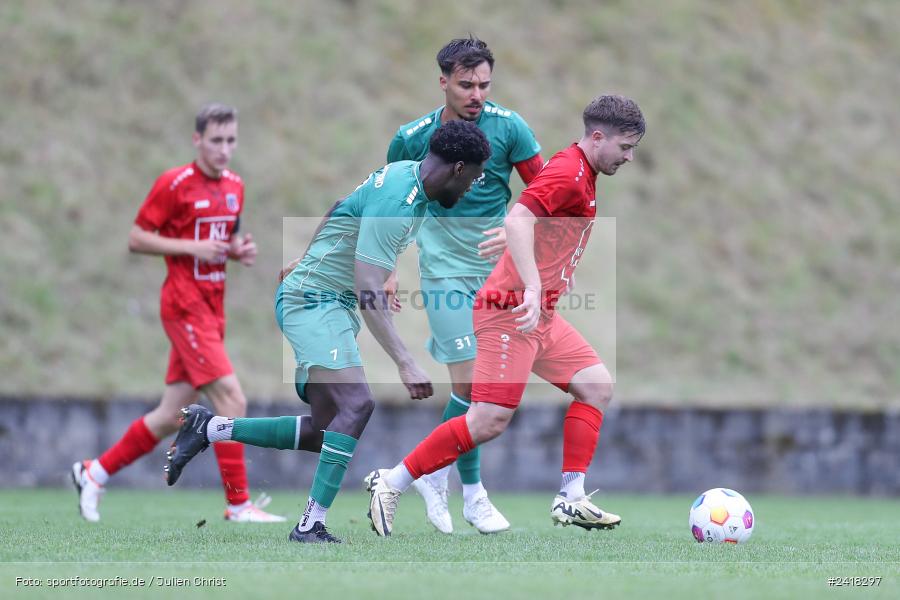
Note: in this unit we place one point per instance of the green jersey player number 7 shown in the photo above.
(345, 267)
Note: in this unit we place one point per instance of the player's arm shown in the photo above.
(391, 285)
(529, 168)
(374, 304)
(520, 241)
(142, 241)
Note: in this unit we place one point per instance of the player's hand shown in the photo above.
(246, 251)
(493, 248)
(390, 290)
(531, 307)
(287, 270)
(211, 251)
(416, 381)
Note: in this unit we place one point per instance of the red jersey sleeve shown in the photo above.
(554, 189)
(158, 206)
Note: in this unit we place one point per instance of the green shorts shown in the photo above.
(448, 304)
(322, 333)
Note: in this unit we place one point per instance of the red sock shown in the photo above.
(581, 430)
(444, 445)
(137, 441)
(234, 471)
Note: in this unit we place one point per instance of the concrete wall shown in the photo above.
(641, 449)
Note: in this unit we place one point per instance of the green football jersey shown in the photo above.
(448, 240)
(374, 224)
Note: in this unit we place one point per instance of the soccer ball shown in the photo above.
(721, 515)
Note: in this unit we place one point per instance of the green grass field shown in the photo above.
(797, 545)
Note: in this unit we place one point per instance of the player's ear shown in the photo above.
(196, 138)
(458, 168)
(443, 81)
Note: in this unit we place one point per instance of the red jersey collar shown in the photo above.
(586, 161)
(203, 174)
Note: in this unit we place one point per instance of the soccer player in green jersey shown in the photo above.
(351, 256)
(458, 247)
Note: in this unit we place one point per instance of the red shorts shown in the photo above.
(554, 351)
(198, 350)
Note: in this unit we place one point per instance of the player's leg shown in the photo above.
(570, 363)
(345, 397)
(90, 476)
(452, 342)
(199, 339)
(434, 487)
(303, 432)
(482, 423)
(478, 510)
(228, 400)
(201, 427)
(500, 375)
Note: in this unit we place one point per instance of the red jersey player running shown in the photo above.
(191, 217)
(518, 331)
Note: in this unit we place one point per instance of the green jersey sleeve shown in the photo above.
(382, 239)
(397, 149)
(524, 144)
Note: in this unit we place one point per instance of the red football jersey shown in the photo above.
(563, 197)
(185, 203)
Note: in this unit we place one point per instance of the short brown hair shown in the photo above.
(217, 113)
(613, 113)
(464, 53)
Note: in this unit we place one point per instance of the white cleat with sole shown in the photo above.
(383, 503)
(582, 513)
(252, 512)
(434, 490)
(89, 491)
(481, 514)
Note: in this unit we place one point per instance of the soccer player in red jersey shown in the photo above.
(191, 217)
(519, 331)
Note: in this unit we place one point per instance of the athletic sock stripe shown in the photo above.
(459, 400)
(328, 448)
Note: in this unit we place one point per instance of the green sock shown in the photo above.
(268, 432)
(337, 450)
(469, 464)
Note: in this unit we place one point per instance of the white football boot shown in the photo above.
(481, 514)
(434, 490)
(252, 512)
(581, 512)
(89, 491)
(383, 503)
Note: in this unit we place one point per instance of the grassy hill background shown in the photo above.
(758, 232)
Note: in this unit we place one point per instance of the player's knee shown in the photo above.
(358, 408)
(496, 427)
(486, 427)
(163, 422)
(228, 398)
(597, 394)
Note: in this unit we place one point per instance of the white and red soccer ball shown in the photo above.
(721, 515)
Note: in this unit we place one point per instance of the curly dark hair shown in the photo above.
(614, 113)
(465, 53)
(460, 141)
